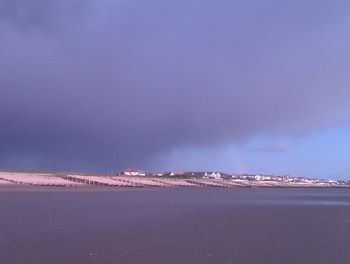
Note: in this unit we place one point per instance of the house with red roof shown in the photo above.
(133, 172)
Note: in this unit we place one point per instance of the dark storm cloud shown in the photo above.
(46, 15)
(103, 84)
(272, 147)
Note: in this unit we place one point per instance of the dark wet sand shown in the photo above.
(201, 225)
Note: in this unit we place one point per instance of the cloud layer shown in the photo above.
(109, 84)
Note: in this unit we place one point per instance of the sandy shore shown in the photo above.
(52, 181)
(83, 188)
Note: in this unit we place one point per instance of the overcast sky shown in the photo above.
(238, 86)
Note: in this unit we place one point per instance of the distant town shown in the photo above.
(138, 178)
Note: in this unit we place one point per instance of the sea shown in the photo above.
(174, 225)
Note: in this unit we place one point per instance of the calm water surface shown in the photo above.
(192, 225)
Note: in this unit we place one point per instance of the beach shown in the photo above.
(176, 225)
(194, 179)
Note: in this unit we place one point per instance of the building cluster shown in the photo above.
(225, 176)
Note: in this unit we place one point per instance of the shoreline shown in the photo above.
(91, 188)
(80, 182)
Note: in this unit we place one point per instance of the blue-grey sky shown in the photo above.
(237, 86)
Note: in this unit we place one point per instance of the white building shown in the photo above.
(213, 175)
(257, 177)
(133, 172)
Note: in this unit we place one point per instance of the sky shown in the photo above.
(237, 86)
